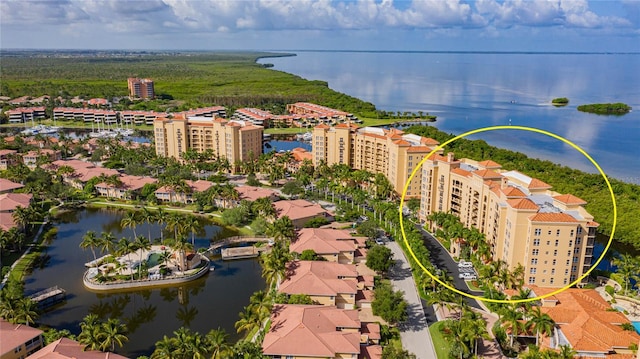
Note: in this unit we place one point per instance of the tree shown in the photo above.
(131, 220)
(541, 322)
(282, 229)
(379, 258)
(393, 352)
(628, 267)
(142, 244)
(512, 320)
(26, 311)
(292, 188)
(90, 332)
(388, 304)
(191, 224)
(112, 332)
(90, 240)
(249, 320)
(368, 228)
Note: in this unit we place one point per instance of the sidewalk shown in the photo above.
(414, 333)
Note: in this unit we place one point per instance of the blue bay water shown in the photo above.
(472, 90)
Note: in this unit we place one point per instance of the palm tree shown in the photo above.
(511, 319)
(112, 332)
(459, 337)
(282, 229)
(476, 326)
(628, 267)
(89, 336)
(124, 246)
(217, 341)
(264, 207)
(107, 242)
(148, 217)
(191, 224)
(541, 322)
(566, 352)
(164, 349)
(181, 247)
(142, 244)
(161, 218)
(90, 240)
(174, 223)
(131, 219)
(248, 321)
(22, 217)
(26, 311)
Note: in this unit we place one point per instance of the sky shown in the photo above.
(404, 25)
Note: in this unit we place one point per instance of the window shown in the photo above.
(532, 271)
(566, 271)
(549, 233)
(568, 262)
(570, 243)
(557, 233)
(569, 253)
(574, 268)
(553, 262)
(564, 281)
(532, 280)
(534, 261)
(553, 271)
(572, 232)
(534, 252)
(538, 231)
(536, 242)
(555, 252)
(551, 281)
(557, 242)
(578, 241)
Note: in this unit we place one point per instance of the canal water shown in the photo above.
(208, 303)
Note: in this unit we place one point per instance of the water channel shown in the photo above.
(208, 303)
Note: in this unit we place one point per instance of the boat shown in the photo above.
(307, 136)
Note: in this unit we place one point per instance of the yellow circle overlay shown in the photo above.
(521, 128)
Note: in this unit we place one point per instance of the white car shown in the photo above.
(467, 276)
(464, 264)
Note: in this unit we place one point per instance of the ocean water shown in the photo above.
(473, 90)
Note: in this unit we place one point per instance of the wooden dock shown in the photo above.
(49, 297)
(242, 252)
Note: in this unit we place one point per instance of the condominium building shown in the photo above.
(390, 152)
(524, 221)
(19, 340)
(142, 88)
(234, 140)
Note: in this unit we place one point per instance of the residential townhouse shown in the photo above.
(25, 114)
(301, 211)
(549, 233)
(314, 332)
(19, 340)
(83, 172)
(65, 348)
(128, 189)
(7, 186)
(169, 194)
(7, 158)
(31, 159)
(334, 245)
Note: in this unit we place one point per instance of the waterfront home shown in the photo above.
(7, 186)
(327, 283)
(127, 188)
(299, 155)
(83, 171)
(70, 349)
(334, 245)
(7, 158)
(171, 194)
(308, 331)
(584, 321)
(18, 340)
(301, 211)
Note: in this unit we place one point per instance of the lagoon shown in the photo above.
(208, 303)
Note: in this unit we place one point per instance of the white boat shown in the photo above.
(307, 136)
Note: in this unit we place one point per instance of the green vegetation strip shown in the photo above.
(443, 348)
(606, 108)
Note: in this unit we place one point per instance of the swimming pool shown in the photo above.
(637, 326)
(153, 259)
(619, 308)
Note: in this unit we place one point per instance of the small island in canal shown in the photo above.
(606, 108)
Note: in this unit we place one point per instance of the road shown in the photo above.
(414, 333)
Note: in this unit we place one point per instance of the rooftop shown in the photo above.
(13, 335)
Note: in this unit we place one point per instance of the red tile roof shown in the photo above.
(6, 185)
(298, 209)
(537, 184)
(14, 335)
(511, 191)
(319, 278)
(323, 241)
(251, 193)
(522, 203)
(10, 201)
(489, 164)
(311, 331)
(487, 174)
(552, 217)
(6, 221)
(569, 199)
(67, 348)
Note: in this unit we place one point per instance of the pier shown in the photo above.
(49, 297)
(242, 252)
(237, 240)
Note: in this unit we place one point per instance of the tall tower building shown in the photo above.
(141, 88)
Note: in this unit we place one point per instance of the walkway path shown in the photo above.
(487, 348)
(414, 333)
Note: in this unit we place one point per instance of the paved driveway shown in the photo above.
(414, 333)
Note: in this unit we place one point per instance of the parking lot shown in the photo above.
(466, 271)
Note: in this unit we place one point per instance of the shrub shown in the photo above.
(610, 290)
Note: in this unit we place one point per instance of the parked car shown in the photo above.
(464, 264)
(380, 241)
(467, 276)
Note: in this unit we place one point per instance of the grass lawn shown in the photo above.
(471, 286)
(440, 344)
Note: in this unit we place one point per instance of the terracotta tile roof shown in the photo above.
(66, 348)
(489, 164)
(6, 221)
(13, 335)
(322, 126)
(552, 217)
(511, 191)
(537, 184)
(323, 241)
(487, 174)
(319, 278)
(401, 143)
(523, 203)
(593, 224)
(461, 172)
(347, 125)
(75, 164)
(298, 209)
(6, 185)
(419, 149)
(132, 183)
(10, 201)
(372, 330)
(370, 352)
(569, 199)
(7, 152)
(85, 174)
(251, 193)
(429, 141)
(366, 280)
(365, 296)
(311, 331)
